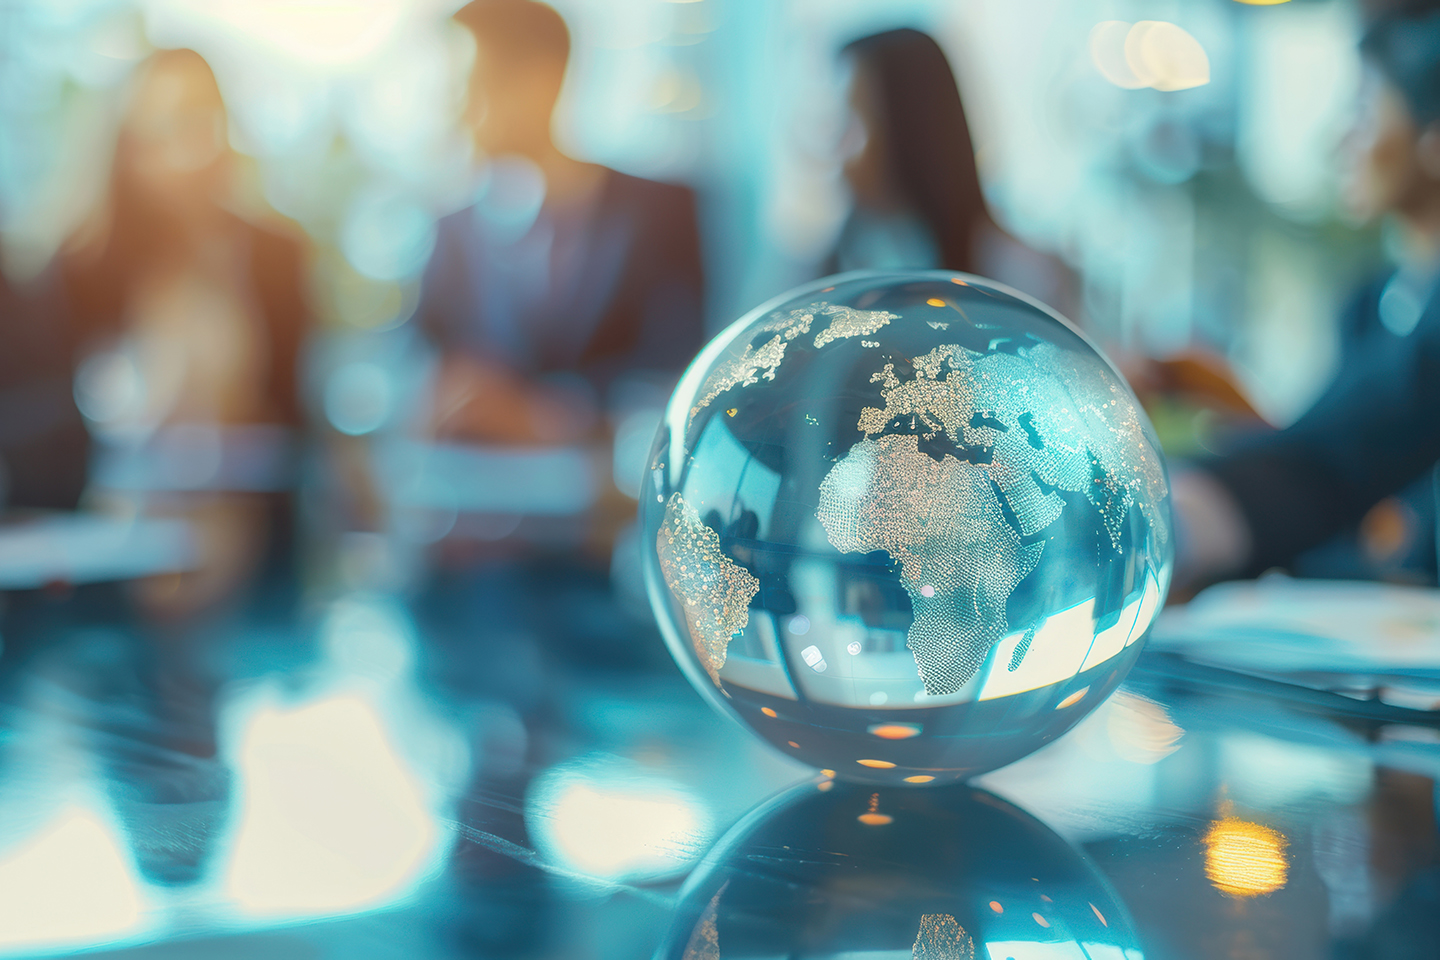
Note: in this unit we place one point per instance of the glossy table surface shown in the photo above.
(506, 764)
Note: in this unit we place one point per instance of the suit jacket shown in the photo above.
(626, 296)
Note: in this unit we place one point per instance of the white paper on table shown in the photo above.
(1278, 624)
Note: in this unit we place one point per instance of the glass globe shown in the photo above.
(907, 527)
(949, 874)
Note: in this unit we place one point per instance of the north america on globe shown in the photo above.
(961, 530)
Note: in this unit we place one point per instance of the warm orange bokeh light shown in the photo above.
(1245, 859)
(768, 712)
(895, 731)
(876, 764)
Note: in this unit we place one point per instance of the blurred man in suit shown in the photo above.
(564, 275)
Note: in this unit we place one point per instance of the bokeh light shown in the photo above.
(70, 883)
(611, 819)
(1245, 859)
(331, 819)
(1150, 53)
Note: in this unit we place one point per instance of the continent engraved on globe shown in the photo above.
(848, 322)
(1039, 421)
(942, 938)
(760, 363)
(705, 938)
(1046, 417)
(940, 519)
(714, 591)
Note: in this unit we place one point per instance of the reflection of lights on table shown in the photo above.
(1245, 859)
(1140, 729)
(331, 817)
(68, 884)
(612, 819)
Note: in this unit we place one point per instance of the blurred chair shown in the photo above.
(911, 168)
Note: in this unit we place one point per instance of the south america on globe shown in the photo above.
(907, 527)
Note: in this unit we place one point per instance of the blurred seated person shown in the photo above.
(910, 164)
(189, 320)
(563, 276)
(1374, 434)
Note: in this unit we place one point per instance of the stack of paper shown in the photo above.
(1364, 640)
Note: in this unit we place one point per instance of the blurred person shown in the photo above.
(188, 321)
(564, 276)
(1363, 457)
(910, 164)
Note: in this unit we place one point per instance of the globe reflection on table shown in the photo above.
(907, 527)
(843, 870)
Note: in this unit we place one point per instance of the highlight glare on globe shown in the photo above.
(907, 527)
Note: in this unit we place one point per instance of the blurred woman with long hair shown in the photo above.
(918, 202)
(189, 320)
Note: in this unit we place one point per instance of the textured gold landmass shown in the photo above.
(760, 363)
(1049, 416)
(846, 322)
(942, 938)
(741, 371)
(1051, 420)
(714, 591)
(704, 941)
(940, 519)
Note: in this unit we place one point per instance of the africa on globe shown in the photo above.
(907, 527)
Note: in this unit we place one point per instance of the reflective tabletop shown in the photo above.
(507, 764)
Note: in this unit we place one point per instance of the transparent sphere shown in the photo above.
(907, 527)
(857, 872)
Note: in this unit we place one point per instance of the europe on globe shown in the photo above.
(907, 527)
